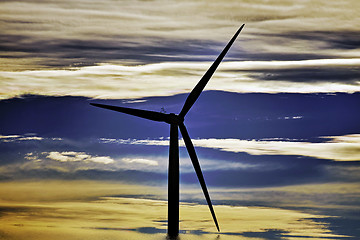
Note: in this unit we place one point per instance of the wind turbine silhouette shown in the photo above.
(177, 121)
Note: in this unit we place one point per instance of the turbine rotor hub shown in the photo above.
(173, 118)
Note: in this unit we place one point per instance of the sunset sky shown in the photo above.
(277, 129)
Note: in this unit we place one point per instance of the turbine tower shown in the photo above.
(176, 122)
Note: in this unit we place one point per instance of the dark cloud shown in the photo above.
(343, 225)
(278, 56)
(8, 210)
(263, 177)
(273, 234)
(330, 74)
(73, 52)
(345, 40)
(128, 176)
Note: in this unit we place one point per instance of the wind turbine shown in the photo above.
(176, 122)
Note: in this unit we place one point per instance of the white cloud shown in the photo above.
(254, 65)
(14, 138)
(25, 137)
(163, 79)
(338, 148)
(141, 161)
(78, 157)
(30, 138)
(104, 160)
(57, 139)
(59, 157)
(31, 157)
(209, 165)
(9, 136)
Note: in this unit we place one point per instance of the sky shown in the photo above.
(276, 129)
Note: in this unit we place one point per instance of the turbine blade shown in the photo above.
(195, 93)
(196, 164)
(155, 116)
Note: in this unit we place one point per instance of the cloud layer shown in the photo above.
(93, 210)
(164, 79)
(129, 50)
(338, 148)
(253, 139)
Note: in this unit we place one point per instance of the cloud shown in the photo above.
(104, 160)
(113, 209)
(345, 148)
(9, 137)
(95, 162)
(129, 38)
(33, 191)
(141, 161)
(75, 162)
(26, 137)
(118, 209)
(225, 162)
(166, 78)
(347, 40)
(16, 138)
(186, 165)
(337, 148)
(78, 156)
